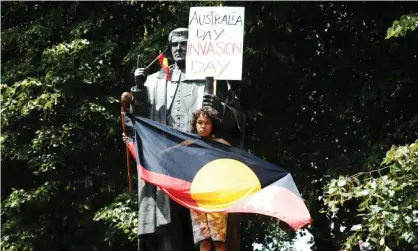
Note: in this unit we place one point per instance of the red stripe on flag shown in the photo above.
(177, 189)
(132, 149)
(293, 211)
(287, 207)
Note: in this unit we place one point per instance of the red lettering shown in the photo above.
(222, 67)
(190, 48)
(204, 48)
(210, 48)
(229, 52)
(221, 46)
(238, 47)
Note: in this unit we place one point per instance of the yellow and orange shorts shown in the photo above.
(208, 226)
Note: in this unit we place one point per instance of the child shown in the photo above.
(212, 226)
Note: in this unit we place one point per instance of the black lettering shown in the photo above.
(230, 19)
(212, 18)
(218, 34)
(224, 19)
(193, 66)
(207, 33)
(194, 18)
(239, 20)
(207, 19)
(200, 33)
(212, 66)
(217, 18)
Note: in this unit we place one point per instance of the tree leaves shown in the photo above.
(386, 202)
(400, 28)
(331, 94)
(120, 212)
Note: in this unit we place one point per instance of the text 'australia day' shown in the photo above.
(213, 40)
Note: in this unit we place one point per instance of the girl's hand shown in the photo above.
(124, 138)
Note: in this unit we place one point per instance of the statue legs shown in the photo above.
(233, 232)
(180, 234)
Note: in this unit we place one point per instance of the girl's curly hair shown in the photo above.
(211, 113)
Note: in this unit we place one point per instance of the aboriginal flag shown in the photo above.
(208, 176)
(164, 64)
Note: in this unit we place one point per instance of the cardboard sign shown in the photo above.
(216, 43)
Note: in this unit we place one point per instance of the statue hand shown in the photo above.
(212, 101)
(140, 77)
(139, 72)
(126, 100)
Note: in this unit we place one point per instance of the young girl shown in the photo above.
(205, 123)
(212, 226)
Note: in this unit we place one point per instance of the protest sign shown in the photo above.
(216, 42)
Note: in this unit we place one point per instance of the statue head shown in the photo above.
(177, 40)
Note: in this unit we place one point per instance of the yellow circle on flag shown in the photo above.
(165, 62)
(221, 182)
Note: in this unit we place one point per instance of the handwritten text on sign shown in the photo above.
(215, 44)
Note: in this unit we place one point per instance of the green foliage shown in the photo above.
(59, 117)
(271, 238)
(388, 205)
(399, 28)
(121, 215)
(331, 95)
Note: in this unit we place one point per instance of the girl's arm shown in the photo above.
(184, 143)
(221, 140)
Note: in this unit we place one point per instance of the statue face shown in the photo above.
(179, 48)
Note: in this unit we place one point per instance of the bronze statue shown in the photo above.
(163, 224)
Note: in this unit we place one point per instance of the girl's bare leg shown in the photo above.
(219, 246)
(204, 245)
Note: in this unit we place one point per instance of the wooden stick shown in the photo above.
(124, 107)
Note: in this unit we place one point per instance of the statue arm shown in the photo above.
(140, 100)
(232, 114)
(232, 117)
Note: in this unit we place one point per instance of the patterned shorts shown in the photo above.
(208, 226)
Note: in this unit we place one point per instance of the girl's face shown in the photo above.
(204, 126)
